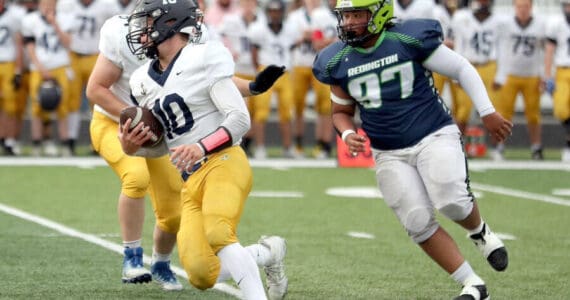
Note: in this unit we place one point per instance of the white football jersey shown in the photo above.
(273, 47)
(441, 14)
(86, 23)
(559, 30)
(180, 96)
(520, 49)
(49, 50)
(113, 46)
(324, 19)
(233, 29)
(10, 24)
(417, 9)
(476, 41)
(304, 54)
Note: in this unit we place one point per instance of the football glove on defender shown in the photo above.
(265, 79)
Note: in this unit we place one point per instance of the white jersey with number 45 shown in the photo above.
(474, 40)
(180, 95)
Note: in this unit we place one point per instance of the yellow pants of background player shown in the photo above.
(139, 174)
(82, 66)
(262, 102)
(213, 199)
(530, 89)
(302, 80)
(439, 82)
(461, 111)
(60, 75)
(561, 97)
(8, 99)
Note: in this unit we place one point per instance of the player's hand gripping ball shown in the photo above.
(141, 114)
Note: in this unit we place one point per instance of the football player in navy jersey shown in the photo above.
(383, 68)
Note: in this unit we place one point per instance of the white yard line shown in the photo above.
(223, 287)
(475, 165)
(520, 194)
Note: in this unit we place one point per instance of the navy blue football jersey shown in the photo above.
(395, 95)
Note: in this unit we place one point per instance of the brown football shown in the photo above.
(141, 114)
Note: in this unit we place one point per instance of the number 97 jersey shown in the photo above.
(394, 93)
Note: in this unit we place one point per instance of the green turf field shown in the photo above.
(529, 207)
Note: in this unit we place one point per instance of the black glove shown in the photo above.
(265, 79)
(17, 81)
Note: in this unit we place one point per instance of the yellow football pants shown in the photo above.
(213, 199)
(303, 79)
(462, 110)
(139, 174)
(262, 102)
(561, 97)
(530, 89)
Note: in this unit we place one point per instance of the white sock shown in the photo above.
(260, 253)
(156, 257)
(132, 244)
(465, 275)
(477, 229)
(243, 270)
(73, 124)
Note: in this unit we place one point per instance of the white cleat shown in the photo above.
(260, 153)
(566, 155)
(50, 149)
(496, 155)
(473, 292)
(492, 248)
(277, 282)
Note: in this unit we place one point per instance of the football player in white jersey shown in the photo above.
(10, 64)
(271, 44)
(188, 87)
(474, 32)
(556, 58)
(233, 30)
(519, 61)
(303, 55)
(413, 9)
(46, 43)
(443, 13)
(87, 17)
(109, 90)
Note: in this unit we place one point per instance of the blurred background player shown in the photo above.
(271, 43)
(443, 12)
(46, 43)
(303, 54)
(10, 75)
(413, 9)
(519, 70)
(86, 17)
(383, 72)
(233, 30)
(557, 60)
(474, 32)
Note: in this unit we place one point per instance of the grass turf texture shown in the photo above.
(323, 262)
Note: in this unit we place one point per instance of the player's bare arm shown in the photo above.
(342, 116)
(104, 74)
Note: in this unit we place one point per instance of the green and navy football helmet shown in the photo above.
(381, 12)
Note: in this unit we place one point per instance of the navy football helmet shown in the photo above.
(158, 20)
(49, 95)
